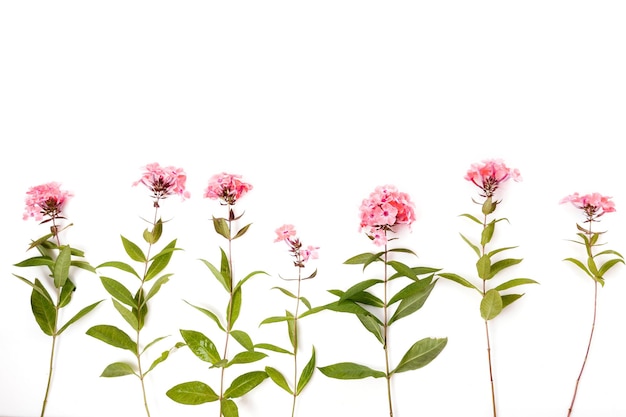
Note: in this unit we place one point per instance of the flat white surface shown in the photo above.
(316, 104)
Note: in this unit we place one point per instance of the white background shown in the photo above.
(315, 104)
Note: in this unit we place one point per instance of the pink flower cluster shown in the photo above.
(45, 200)
(385, 208)
(164, 181)
(594, 205)
(228, 188)
(489, 174)
(287, 233)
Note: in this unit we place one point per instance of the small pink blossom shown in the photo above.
(385, 208)
(489, 174)
(45, 200)
(285, 232)
(164, 181)
(593, 205)
(228, 188)
(309, 253)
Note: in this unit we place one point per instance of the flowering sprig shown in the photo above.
(132, 305)
(593, 207)
(228, 189)
(45, 204)
(488, 176)
(385, 211)
(301, 256)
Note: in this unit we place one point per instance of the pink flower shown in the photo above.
(309, 253)
(385, 208)
(285, 232)
(227, 187)
(594, 205)
(164, 181)
(45, 200)
(489, 174)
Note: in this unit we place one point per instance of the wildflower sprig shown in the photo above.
(53, 292)
(488, 176)
(132, 303)
(595, 264)
(385, 211)
(228, 189)
(301, 257)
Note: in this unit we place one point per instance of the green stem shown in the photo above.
(52, 351)
(488, 339)
(230, 306)
(295, 345)
(386, 338)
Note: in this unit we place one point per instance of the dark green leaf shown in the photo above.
(372, 324)
(242, 231)
(66, 293)
(160, 261)
(498, 266)
(218, 275)
(43, 310)
(421, 354)
(127, 314)
(358, 288)
(413, 300)
(459, 280)
(36, 261)
(118, 291)
(192, 393)
(508, 299)
(307, 373)
(113, 336)
(402, 270)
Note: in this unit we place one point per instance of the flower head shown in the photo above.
(287, 233)
(593, 205)
(228, 188)
(45, 200)
(489, 174)
(164, 181)
(385, 208)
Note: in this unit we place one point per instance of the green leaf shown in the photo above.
(127, 314)
(118, 369)
(246, 357)
(413, 298)
(36, 261)
(402, 270)
(365, 258)
(508, 299)
(273, 348)
(421, 354)
(229, 408)
(487, 233)
(118, 291)
(43, 310)
(162, 358)
(160, 261)
(489, 206)
(247, 277)
(344, 307)
(284, 291)
(234, 307)
(154, 235)
(40, 290)
(121, 266)
(608, 265)
(218, 275)
(514, 283)
(245, 383)
(278, 378)
(580, 265)
(363, 297)
(291, 330)
(221, 227)
(307, 373)
(473, 218)
(142, 311)
(133, 251)
(483, 267)
(350, 370)
(201, 346)
(242, 231)
(209, 314)
(459, 280)
(502, 264)
(192, 393)
(61, 269)
(276, 319)
(491, 305)
(158, 339)
(79, 315)
(243, 339)
(113, 336)
(157, 286)
(372, 324)
(67, 290)
(471, 245)
(83, 265)
(358, 288)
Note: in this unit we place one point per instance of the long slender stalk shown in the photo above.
(296, 344)
(582, 368)
(230, 305)
(386, 338)
(488, 340)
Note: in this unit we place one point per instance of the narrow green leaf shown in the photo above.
(61, 269)
(421, 354)
(271, 347)
(118, 369)
(487, 233)
(580, 265)
(363, 297)
(247, 277)
(83, 312)
(278, 378)
(158, 339)
(192, 393)
(118, 291)
(153, 236)
(234, 308)
(459, 280)
(246, 357)
(245, 383)
(402, 270)
(471, 245)
(284, 291)
(414, 301)
(157, 286)
(36, 261)
(473, 218)
(358, 288)
(372, 324)
(508, 299)
(243, 339)
(608, 265)
(491, 305)
(363, 258)
(127, 314)
(209, 314)
(514, 283)
(40, 290)
(201, 346)
(221, 227)
(133, 251)
(83, 265)
(113, 336)
(160, 359)
(67, 290)
(307, 373)
(502, 264)
(350, 370)
(44, 311)
(242, 231)
(160, 261)
(275, 319)
(218, 275)
(121, 266)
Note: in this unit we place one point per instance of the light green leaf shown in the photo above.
(246, 357)
(245, 383)
(133, 251)
(487, 233)
(278, 378)
(514, 283)
(502, 264)
(459, 280)
(78, 316)
(243, 339)
(483, 267)
(127, 314)
(153, 236)
(372, 324)
(580, 265)
(118, 369)
(113, 336)
(413, 299)
(472, 218)
(421, 354)
(121, 266)
(160, 261)
(350, 370)
(234, 307)
(118, 291)
(491, 305)
(508, 299)
(192, 393)
(271, 347)
(608, 265)
(221, 227)
(201, 346)
(36, 261)
(157, 286)
(209, 314)
(62, 264)
(307, 373)
(162, 358)
(44, 311)
(218, 275)
(229, 408)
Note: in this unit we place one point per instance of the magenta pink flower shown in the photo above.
(385, 208)
(489, 174)
(45, 200)
(228, 188)
(285, 232)
(164, 181)
(593, 205)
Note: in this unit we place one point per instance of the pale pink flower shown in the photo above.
(285, 232)
(385, 208)
(45, 200)
(309, 253)
(489, 174)
(228, 188)
(164, 181)
(593, 205)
